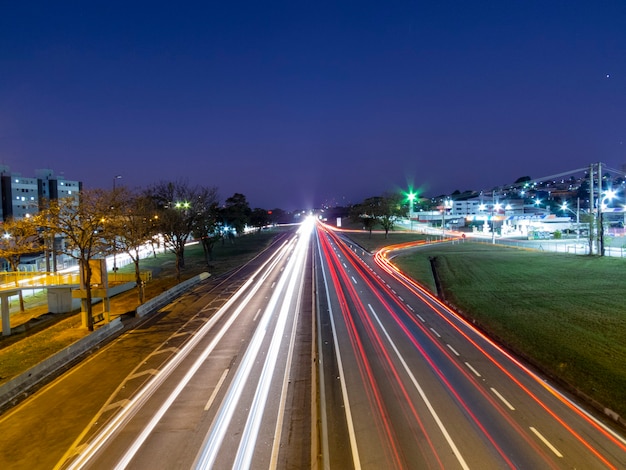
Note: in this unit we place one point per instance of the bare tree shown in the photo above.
(86, 229)
(208, 230)
(19, 237)
(135, 223)
(180, 208)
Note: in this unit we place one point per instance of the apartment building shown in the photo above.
(22, 196)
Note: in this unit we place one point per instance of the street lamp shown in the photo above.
(565, 208)
(447, 204)
(495, 208)
(116, 177)
(411, 196)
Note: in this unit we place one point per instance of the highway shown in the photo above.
(224, 377)
(406, 383)
(221, 401)
(218, 378)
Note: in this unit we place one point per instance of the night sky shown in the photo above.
(298, 103)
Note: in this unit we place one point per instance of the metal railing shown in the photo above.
(14, 280)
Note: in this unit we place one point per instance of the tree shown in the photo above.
(366, 212)
(236, 212)
(19, 237)
(208, 230)
(86, 229)
(389, 210)
(180, 209)
(134, 224)
(259, 218)
(385, 210)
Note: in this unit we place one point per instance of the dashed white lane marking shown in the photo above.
(257, 314)
(453, 350)
(421, 318)
(546, 442)
(436, 333)
(472, 369)
(410, 308)
(354, 280)
(401, 299)
(216, 390)
(504, 400)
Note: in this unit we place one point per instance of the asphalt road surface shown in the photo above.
(221, 378)
(406, 383)
(224, 378)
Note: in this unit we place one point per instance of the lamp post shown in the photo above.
(116, 177)
(565, 208)
(411, 197)
(495, 208)
(447, 204)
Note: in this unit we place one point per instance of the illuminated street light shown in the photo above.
(411, 197)
(447, 204)
(565, 208)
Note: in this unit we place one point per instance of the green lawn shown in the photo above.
(377, 239)
(566, 312)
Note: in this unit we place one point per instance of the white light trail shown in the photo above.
(208, 454)
(90, 450)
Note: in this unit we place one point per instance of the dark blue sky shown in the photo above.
(299, 102)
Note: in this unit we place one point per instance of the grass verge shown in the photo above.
(565, 312)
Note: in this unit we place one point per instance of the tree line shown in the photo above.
(101, 222)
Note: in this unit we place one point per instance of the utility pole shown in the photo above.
(592, 212)
(600, 200)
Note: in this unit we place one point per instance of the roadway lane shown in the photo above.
(223, 398)
(407, 384)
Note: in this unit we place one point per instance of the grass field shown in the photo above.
(565, 312)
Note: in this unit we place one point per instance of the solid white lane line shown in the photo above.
(422, 394)
(504, 400)
(453, 350)
(472, 369)
(546, 442)
(216, 390)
